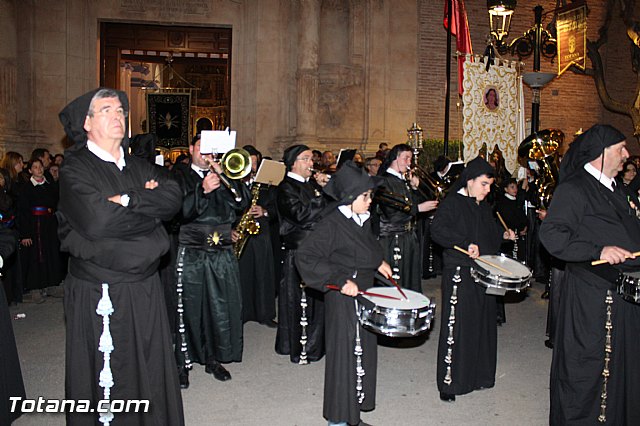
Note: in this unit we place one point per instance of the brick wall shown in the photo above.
(568, 103)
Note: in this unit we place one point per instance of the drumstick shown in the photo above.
(479, 259)
(601, 261)
(365, 293)
(398, 287)
(506, 228)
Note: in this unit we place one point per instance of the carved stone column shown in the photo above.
(8, 73)
(307, 74)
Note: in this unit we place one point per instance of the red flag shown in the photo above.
(459, 29)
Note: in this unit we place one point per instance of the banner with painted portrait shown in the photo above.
(491, 109)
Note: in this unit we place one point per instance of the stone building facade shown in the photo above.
(329, 73)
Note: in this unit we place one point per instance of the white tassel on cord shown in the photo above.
(104, 309)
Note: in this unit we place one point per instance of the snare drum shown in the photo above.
(397, 318)
(497, 280)
(629, 286)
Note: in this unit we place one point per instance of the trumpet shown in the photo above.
(235, 164)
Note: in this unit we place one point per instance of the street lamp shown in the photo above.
(536, 41)
(500, 12)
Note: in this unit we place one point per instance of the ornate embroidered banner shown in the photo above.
(491, 108)
(168, 118)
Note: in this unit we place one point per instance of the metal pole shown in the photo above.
(535, 106)
(447, 96)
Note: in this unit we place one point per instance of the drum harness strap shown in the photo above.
(181, 326)
(608, 348)
(448, 359)
(303, 323)
(358, 353)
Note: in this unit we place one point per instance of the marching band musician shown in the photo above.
(257, 266)
(208, 282)
(432, 253)
(595, 375)
(300, 311)
(468, 331)
(398, 235)
(343, 251)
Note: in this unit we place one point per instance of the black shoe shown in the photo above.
(548, 343)
(447, 397)
(218, 371)
(544, 295)
(183, 376)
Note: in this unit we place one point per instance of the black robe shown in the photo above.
(257, 266)
(585, 216)
(119, 246)
(330, 255)
(459, 221)
(431, 252)
(398, 231)
(299, 208)
(512, 212)
(11, 384)
(210, 280)
(36, 220)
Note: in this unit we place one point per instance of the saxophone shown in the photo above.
(247, 225)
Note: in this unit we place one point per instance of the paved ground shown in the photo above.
(267, 389)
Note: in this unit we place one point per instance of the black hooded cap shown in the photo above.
(291, 153)
(349, 182)
(475, 168)
(587, 147)
(74, 114)
(392, 155)
(252, 150)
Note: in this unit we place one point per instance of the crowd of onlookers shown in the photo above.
(28, 200)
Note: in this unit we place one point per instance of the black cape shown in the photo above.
(460, 221)
(300, 206)
(36, 220)
(584, 217)
(120, 246)
(211, 294)
(11, 384)
(257, 266)
(330, 255)
(392, 220)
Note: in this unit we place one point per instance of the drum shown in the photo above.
(497, 281)
(397, 318)
(629, 286)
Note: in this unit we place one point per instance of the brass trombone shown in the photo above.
(235, 164)
(392, 199)
(435, 188)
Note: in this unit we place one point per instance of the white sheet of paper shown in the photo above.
(217, 141)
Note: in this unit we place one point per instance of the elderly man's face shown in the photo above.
(614, 158)
(106, 122)
(303, 164)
